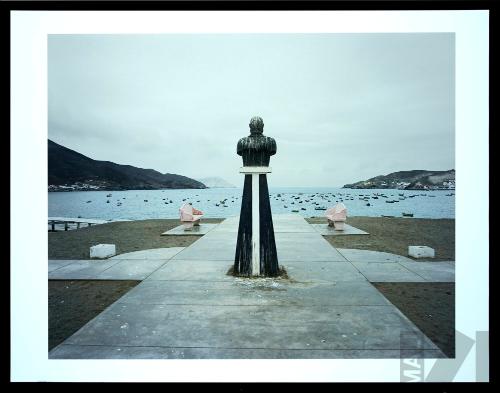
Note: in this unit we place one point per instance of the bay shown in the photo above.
(165, 204)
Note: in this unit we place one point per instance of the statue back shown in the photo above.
(256, 150)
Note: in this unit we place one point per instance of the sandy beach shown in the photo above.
(392, 235)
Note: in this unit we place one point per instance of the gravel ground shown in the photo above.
(128, 236)
(429, 305)
(74, 303)
(394, 235)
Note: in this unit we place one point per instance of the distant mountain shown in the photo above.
(410, 180)
(216, 182)
(71, 171)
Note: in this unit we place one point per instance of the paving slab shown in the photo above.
(432, 271)
(282, 223)
(207, 270)
(289, 246)
(58, 263)
(292, 227)
(326, 230)
(290, 223)
(229, 225)
(81, 270)
(213, 246)
(254, 292)
(305, 247)
(131, 269)
(155, 253)
(198, 230)
(355, 255)
(193, 270)
(322, 272)
(270, 327)
(387, 272)
(128, 352)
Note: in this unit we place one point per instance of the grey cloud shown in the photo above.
(342, 107)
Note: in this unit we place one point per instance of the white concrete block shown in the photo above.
(102, 251)
(420, 252)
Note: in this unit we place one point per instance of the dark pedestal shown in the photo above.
(267, 245)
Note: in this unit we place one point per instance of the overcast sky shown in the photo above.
(341, 107)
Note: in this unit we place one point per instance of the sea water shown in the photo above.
(161, 204)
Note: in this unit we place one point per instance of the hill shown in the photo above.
(69, 170)
(216, 182)
(410, 180)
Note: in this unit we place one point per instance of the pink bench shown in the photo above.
(190, 216)
(337, 216)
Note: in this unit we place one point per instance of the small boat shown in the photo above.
(295, 211)
(407, 214)
(89, 201)
(319, 208)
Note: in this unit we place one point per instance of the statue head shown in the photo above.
(256, 125)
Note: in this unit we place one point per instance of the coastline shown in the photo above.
(392, 235)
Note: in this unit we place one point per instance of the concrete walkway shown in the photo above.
(135, 265)
(190, 308)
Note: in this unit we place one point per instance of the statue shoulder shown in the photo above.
(271, 143)
(241, 145)
(270, 140)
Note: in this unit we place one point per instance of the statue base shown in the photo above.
(256, 247)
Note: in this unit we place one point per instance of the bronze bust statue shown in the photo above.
(256, 149)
